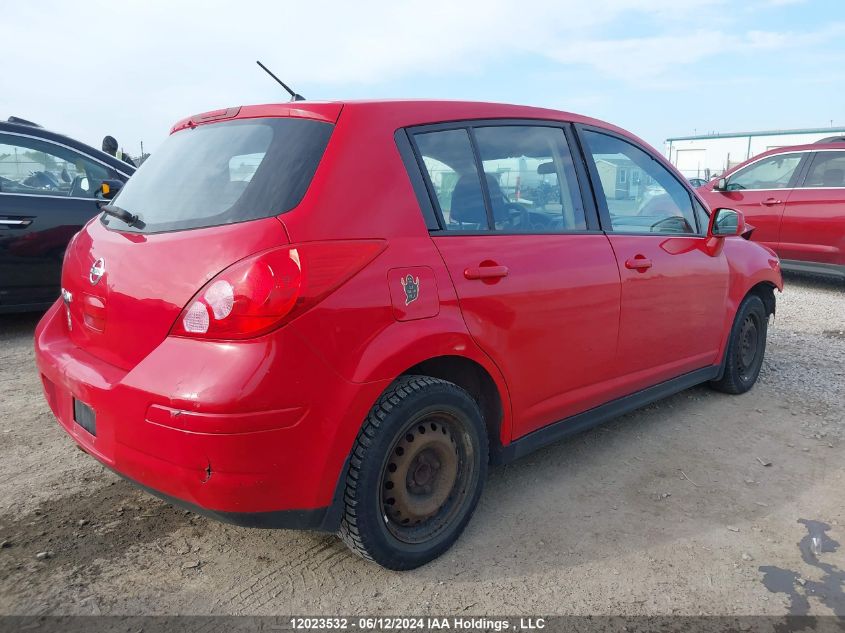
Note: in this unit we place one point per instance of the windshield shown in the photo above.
(223, 173)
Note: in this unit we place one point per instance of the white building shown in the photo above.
(707, 155)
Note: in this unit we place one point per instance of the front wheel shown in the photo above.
(415, 473)
(746, 347)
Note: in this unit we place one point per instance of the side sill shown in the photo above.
(829, 270)
(21, 308)
(601, 414)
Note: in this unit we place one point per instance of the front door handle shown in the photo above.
(486, 272)
(5, 222)
(770, 202)
(640, 263)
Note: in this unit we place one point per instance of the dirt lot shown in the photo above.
(668, 510)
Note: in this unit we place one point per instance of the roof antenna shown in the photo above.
(293, 95)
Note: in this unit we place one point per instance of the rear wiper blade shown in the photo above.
(121, 214)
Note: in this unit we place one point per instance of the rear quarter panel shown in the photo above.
(364, 192)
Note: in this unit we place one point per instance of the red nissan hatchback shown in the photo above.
(335, 315)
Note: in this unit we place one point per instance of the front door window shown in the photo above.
(642, 196)
(774, 172)
(33, 166)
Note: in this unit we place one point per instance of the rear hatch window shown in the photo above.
(223, 173)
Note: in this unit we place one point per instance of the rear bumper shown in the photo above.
(237, 431)
(325, 519)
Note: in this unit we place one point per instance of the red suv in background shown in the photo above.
(335, 315)
(795, 199)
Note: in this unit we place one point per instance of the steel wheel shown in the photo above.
(747, 351)
(416, 473)
(424, 479)
(746, 347)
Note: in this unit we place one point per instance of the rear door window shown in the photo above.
(530, 178)
(453, 178)
(223, 173)
(827, 171)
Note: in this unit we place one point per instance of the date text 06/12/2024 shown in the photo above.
(416, 623)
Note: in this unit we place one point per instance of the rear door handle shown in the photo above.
(15, 222)
(486, 272)
(770, 202)
(640, 263)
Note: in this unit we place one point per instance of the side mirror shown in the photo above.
(726, 222)
(721, 185)
(109, 188)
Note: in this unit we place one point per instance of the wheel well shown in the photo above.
(766, 292)
(473, 378)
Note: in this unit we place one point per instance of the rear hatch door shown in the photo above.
(207, 198)
(126, 290)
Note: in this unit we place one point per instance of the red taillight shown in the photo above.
(266, 290)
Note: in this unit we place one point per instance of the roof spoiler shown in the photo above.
(20, 121)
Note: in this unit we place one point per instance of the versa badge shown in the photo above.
(412, 288)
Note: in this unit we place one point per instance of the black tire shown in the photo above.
(746, 347)
(406, 503)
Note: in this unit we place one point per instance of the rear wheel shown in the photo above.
(746, 347)
(416, 473)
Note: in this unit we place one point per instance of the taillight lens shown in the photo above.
(266, 290)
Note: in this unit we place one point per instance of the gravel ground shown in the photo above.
(669, 510)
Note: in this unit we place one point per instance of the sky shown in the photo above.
(659, 68)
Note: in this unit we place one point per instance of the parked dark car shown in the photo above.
(48, 184)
